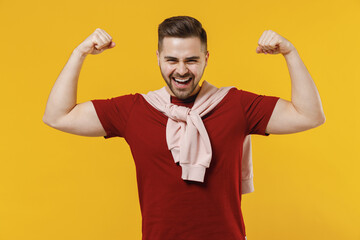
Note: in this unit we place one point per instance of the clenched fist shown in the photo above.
(96, 43)
(272, 43)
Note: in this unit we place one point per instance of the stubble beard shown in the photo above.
(181, 94)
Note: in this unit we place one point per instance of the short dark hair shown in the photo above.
(182, 27)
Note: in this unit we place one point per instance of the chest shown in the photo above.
(146, 128)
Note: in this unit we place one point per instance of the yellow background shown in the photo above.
(55, 185)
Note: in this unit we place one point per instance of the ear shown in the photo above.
(158, 56)
(206, 58)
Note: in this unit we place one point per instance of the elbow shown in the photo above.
(320, 121)
(322, 118)
(47, 121)
(53, 122)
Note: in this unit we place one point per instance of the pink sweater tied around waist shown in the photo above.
(187, 138)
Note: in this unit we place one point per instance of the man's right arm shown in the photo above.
(62, 112)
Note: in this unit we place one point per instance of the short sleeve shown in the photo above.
(257, 110)
(114, 113)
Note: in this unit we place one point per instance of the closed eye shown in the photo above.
(172, 60)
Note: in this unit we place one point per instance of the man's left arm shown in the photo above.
(305, 109)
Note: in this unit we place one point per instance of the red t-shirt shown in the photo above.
(177, 209)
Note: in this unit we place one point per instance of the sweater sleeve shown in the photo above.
(257, 110)
(114, 113)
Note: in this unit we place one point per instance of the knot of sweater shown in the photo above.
(177, 113)
(188, 141)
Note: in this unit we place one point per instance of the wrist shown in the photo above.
(291, 53)
(79, 54)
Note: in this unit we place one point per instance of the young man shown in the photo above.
(188, 124)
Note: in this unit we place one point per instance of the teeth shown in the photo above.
(182, 80)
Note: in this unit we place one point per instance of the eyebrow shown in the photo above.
(188, 58)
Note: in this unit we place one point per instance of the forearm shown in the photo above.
(63, 95)
(304, 94)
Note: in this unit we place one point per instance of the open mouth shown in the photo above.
(182, 82)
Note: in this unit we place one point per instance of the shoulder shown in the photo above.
(242, 98)
(245, 97)
(129, 98)
(236, 92)
(233, 96)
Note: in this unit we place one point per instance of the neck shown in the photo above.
(196, 90)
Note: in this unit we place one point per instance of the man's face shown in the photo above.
(182, 63)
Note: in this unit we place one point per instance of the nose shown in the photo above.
(182, 69)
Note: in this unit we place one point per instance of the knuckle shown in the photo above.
(95, 38)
